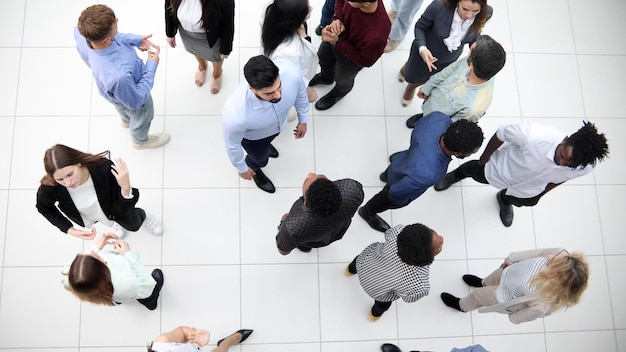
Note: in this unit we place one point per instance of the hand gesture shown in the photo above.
(153, 55)
(107, 238)
(121, 247)
(199, 336)
(336, 27)
(222, 56)
(120, 172)
(300, 130)
(429, 59)
(421, 95)
(329, 36)
(171, 41)
(247, 175)
(83, 235)
(145, 43)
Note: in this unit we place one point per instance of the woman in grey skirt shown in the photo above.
(207, 28)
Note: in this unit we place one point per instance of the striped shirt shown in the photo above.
(515, 279)
(385, 277)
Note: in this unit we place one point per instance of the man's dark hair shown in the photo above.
(260, 72)
(463, 136)
(415, 245)
(323, 197)
(488, 57)
(589, 146)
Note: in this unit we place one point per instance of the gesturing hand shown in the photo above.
(121, 247)
(120, 172)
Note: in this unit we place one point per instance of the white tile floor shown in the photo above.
(565, 63)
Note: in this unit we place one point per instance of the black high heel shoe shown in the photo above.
(245, 333)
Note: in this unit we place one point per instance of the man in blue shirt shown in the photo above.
(434, 141)
(121, 76)
(256, 112)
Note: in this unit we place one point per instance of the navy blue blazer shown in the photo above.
(434, 26)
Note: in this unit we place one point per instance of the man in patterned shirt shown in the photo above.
(398, 268)
(321, 216)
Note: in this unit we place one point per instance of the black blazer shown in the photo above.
(434, 26)
(223, 27)
(108, 191)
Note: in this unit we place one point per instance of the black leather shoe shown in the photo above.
(387, 347)
(446, 182)
(273, 152)
(244, 335)
(375, 221)
(318, 29)
(393, 156)
(263, 182)
(151, 302)
(473, 280)
(327, 102)
(383, 176)
(506, 209)
(451, 301)
(410, 123)
(317, 79)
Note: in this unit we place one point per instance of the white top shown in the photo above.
(86, 201)
(300, 52)
(524, 164)
(189, 14)
(457, 31)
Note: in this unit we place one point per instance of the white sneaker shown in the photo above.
(292, 114)
(154, 141)
(153, 225)
(118, 230)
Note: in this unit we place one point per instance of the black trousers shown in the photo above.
(258, 151)
(338, 68)
(379, 307)
(477, 172)
(380, 202)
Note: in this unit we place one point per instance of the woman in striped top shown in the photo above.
(534, 283)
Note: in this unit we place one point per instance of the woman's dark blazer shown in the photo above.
(434, 26)
(109, 193)
(223, 27)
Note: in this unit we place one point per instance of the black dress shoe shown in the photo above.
(446, 182)
(506, 209)
(393, 156)
(387, 347)
(304, 249)
(451, 301)
(318, 79)
(263, 182)
(244, 335)
(375, 221)
(318, 29)
(383, 176)
(473, 280)
(273, 152)
(410, 123)
(327, 102)
(151, 302)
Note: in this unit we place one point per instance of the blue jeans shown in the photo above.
(406, 10)
(139, 120)
(328, 12)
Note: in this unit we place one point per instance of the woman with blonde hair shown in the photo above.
(528, 285)
(110, 277)
(88, 188)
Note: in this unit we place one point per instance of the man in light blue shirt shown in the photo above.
(464, 89)
(121, 76)
(256, 112)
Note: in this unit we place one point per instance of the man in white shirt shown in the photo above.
(527, 160)
(256, 112)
